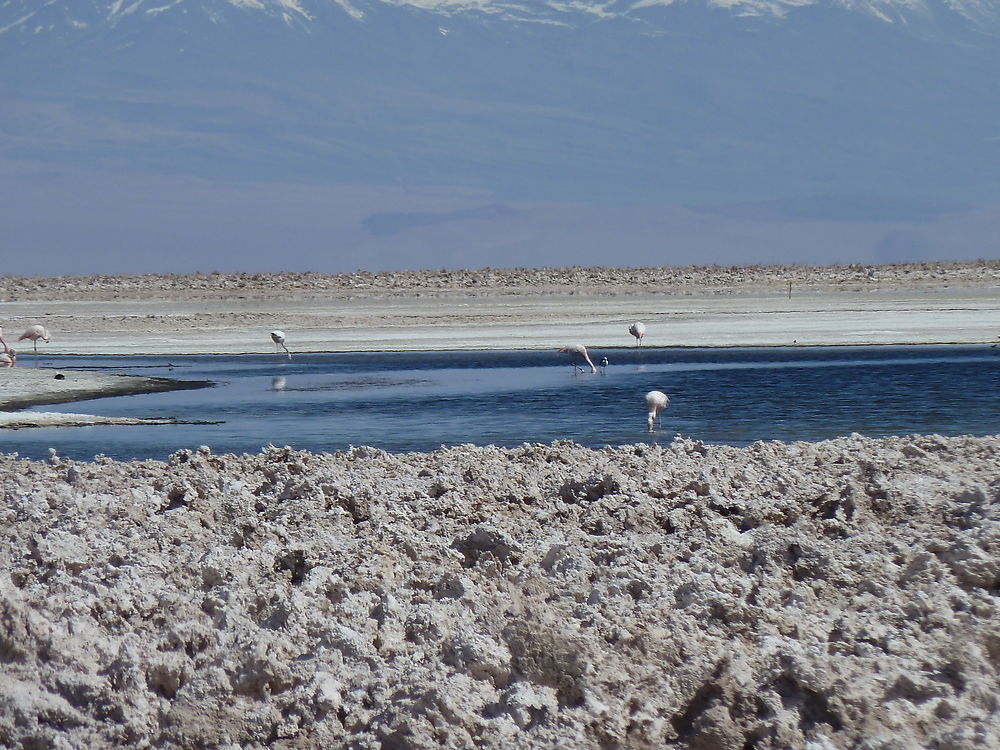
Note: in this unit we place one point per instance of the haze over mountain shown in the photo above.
(183, 135)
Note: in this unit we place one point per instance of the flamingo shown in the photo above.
(577, 352)
(34, 333)
(7, 355)
(638, 330)
(278, 337)
(656, 401)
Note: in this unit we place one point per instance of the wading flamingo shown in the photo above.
(278, 337)
(34, 333)
(577, 352)
(638, 330)
(656, 401)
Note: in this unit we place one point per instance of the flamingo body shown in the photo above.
(34, 333)
(638, 330)
(278, 337)
(656, 401)
(577, 352)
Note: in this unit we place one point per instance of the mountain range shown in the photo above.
(340, 134)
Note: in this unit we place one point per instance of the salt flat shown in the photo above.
(22, 387)
(830, 595)
(456, 320)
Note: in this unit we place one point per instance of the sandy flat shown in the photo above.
(19, 420)
(21, 387)
(148, 327)
(519, 308)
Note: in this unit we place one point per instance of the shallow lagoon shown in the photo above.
(416, 401)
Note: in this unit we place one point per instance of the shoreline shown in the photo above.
(924, 304)
(26, 420)
(22, 388)
(25, 388)
(607, 347)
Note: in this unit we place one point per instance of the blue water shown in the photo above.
(420, 401)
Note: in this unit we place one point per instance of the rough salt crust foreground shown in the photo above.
(841, 594)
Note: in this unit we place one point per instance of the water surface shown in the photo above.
(418, 401)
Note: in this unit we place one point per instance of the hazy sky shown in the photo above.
(408, 139)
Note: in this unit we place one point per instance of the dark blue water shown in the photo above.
(420, 401)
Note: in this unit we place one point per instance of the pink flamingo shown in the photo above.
(577, 352)
(656, 401)
(638, 330)
(34, 333)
